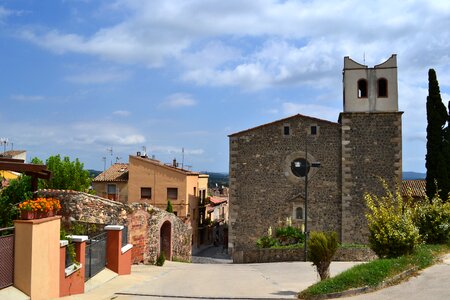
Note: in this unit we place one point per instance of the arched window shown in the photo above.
(382, 87)
(299, 213)
(362, 88)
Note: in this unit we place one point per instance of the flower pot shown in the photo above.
(27, 215)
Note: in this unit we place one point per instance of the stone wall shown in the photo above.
(143, 220)
(263, 190)
(279, 255)
(371, 149)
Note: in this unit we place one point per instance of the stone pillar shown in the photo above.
(36, 259)
(72, 278)
(118, 258)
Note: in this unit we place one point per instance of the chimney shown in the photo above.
(138, 153)
(174, 162)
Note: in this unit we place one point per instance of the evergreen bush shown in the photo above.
(391, 226)
(321, 248)
(161, 259)
(433, 220)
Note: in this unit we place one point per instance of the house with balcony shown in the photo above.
(147, 180)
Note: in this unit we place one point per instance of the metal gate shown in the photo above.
(6, 257)
(95, 255)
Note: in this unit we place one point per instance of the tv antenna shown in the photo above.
(104, 166)
(118, 159)
(4, 141)
(110, 151)
(182, 158)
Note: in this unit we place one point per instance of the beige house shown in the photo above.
(148, 180)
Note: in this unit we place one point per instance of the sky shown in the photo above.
(79, 77)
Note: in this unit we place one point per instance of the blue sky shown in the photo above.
(79, 77)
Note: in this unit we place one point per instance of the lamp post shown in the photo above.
(307, 166)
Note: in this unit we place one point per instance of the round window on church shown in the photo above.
(299, 167)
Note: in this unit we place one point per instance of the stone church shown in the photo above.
(268, 163)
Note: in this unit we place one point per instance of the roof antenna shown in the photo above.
(364, 57)
(182, 158)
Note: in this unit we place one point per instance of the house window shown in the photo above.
(146, 193)
(195, 191)
(313, 130)
(111, 191)
(382, 87)
(286, 130)
(362, 88)
(299, 213)
(172, 193)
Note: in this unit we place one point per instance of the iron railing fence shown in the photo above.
(6, 257)
(95, 255)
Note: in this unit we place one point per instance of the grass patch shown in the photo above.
(375, 272)
(292, 246)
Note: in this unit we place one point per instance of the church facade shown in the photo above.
(269, 163)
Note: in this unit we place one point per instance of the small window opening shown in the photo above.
(299, 213)
(382, 87)
(313, 130)
(286, 130)
(362, 88)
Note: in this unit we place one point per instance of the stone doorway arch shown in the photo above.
(165, 240)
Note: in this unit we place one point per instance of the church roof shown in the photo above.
(284, 120)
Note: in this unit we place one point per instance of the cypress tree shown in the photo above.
(169, 207)
(436, 158)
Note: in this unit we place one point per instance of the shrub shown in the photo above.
(266, 241)
(433, 220)
(161, 259)
(321, 248)
(391, 226)
(289, 235)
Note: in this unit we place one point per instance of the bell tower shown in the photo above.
(371, 140)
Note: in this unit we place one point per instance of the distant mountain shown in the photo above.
(217, 178)
(413, 175)
(94, 173)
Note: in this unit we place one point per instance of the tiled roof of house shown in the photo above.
(166, 166)
(218, 200)
(117, 172)
(416, 188)
(11, 153)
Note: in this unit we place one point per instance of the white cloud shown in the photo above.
(122, 113)
(301, 42)
(178, 100)
(27, 98)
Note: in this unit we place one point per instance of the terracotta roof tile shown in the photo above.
(417, 188)
(218, 200)
(117, 172)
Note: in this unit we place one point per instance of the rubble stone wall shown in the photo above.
(143, 220)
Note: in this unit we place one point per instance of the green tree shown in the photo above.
(437, 160)
(66, 174)
(169, 207)
(18, 190)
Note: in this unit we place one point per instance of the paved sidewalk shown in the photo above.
(207, 281)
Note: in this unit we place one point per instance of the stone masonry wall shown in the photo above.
(371, 149)
(263, 190)
(143, 221)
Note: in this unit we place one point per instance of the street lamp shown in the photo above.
(307, 166)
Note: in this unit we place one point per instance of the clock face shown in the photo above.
(300, 166)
